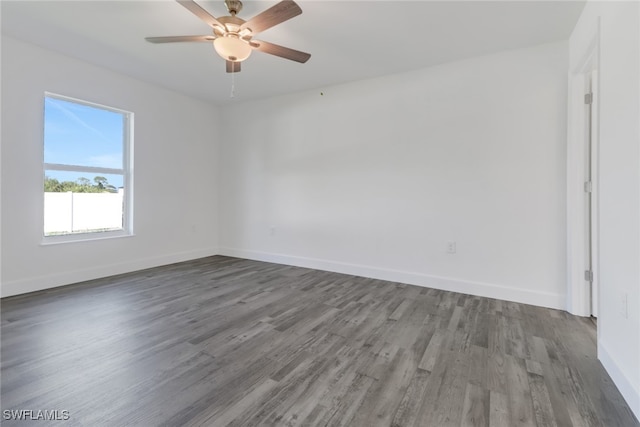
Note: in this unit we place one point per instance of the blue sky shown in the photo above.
(77, 134)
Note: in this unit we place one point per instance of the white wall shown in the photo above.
(374, 177)
(618, 186)
(175, 150)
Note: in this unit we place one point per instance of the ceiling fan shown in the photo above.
(233, 37)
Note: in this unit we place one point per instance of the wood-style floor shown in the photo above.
(223, 341)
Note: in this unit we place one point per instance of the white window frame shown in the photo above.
(126, 172)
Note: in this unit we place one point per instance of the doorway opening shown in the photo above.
(582, 187)
(590, 165)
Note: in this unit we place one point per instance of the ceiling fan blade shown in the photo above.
(174, 39)
(194, 8)
(233, 67)
(281, 51)
(275, 15)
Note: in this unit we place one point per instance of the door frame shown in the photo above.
(578, 291)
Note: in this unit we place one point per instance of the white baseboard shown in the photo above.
(40, 283)
(628, 390)
(489, 290)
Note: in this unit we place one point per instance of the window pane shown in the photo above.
(86, 148)
(76, 202)
(71, 213)
(82, 135)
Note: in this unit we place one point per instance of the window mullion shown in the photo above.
(89, 169)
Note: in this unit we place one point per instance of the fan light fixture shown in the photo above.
(231, 48)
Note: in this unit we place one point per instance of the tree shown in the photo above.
(103, 184)
(84, 185)
(81, 185)
(100, 181)
(52, 185)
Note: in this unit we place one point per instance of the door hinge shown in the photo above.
(588, 98)
(588, 275)
(588, 187)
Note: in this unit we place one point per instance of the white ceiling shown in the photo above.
(348, 40)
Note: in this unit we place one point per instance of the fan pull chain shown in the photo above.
(233, 85)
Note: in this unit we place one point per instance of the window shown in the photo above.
(87, 179)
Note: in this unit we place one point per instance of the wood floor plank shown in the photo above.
(399, 311)
(347, 408)
(384, 396)
(475, 410)
(224, 341)
(498, 409)
(408, 410)
(444, 405)
(236, 409)
(478, 367)
(437, 345)
(519, 393)
(542, 408)
(497, 378)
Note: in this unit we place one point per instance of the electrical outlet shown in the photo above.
(451, 247)
(272, 231)
(625, 306)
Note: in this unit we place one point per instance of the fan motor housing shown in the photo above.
(231, 23)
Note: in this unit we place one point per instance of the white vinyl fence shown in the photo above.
(69, 212)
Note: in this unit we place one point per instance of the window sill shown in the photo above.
(84, 237)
